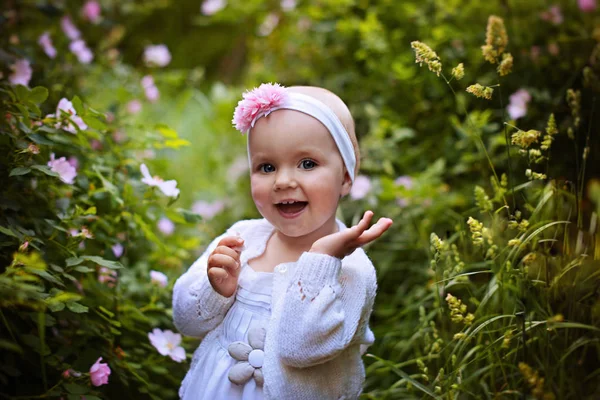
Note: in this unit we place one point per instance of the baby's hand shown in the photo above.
(224, 265)
(342, 243)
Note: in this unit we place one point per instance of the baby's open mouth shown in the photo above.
(291, 207)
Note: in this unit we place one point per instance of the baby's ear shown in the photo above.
(346, 184)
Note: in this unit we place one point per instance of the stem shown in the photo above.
(510, 181)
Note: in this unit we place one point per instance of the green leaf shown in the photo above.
(55, 307)
(39, 139)
(190, 217)
(38, 94)
(91, 210)
(77, 308)
(46, 170)
(25, 112)
(6, 345)
(19, 171)
(22, 93)
(78, 106)
(105, 311)
(76, 389)
(176, 143)
(94, 123)
(44, 274)
(73, 261)
(33, 107)
(8, 232)
(105, 263)
(84, 269)
(166, 131)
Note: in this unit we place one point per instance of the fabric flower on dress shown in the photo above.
(169, 188)
(167, 343)
(257, 102)
(250, 358)
(99, 373)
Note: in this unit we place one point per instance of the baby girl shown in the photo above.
(283, 302)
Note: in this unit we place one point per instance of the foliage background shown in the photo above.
(535, 302)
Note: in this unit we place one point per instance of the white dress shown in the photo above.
(251, 310)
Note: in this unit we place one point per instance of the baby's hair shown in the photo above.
(340, 109)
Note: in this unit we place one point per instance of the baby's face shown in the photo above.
(294, 158)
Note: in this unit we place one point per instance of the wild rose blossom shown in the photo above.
(405, 181)
(169, 188)
(288, 5)
(150, 89)
(99, 373)
(268, 25)
(134, 106)
(69, 28)
(81, 51)
(517, 106)
(91, 11)
(159, 279)
(553, 15)
(62, 167)
(66, 107)
(157, 55)
(117, 250)
(166, 226)
(167, 343)
(208, 210)
(21, 74)
(211, 7)
(46, 43)
(107, 276)
(361, 187)
(587, 5)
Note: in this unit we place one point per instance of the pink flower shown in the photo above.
(65, 109)
(81, 51)
(169, 188)
(405, 181)
(46, 43)
(95, 144)
(108, 276)
(21, 74)
(166, 226)
(99, 373)
(157, 56)
(74, 162)
(268, 25)
(211, 7)
(91, 11)
(119, 136)
(402, 202)
(517, 106)
(552, 15)
(69, 28)
(63, 168)
(150, 89)
(158, 278)
(360, 188)
(288, 5)
(587, 5)
(134, 106)
(117, 249)
(208, 210)
(167, 343)
(257, 102)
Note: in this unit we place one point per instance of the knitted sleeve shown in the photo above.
(326, 308)
(197, 308)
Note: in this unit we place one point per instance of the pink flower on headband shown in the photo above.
(257, 102)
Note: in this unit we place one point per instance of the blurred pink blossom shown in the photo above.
(91, 11)
(167, 343)
(134, 106)
(268, 25)
(587, 5)
(21, 74)
(166, 226)
(99, 373)
(288, 5)
(157, 56)
(158, 278)
(517, 106)
(95, 144)
(360, 188)
(169, 188)
(402, 202)
(150, 89)
(208, 210)
(108, 276)
(74, 161)
(46, 42)
(65, 108)
(117, 249)
(119, 136)
(211, 7)
(552, 15)
(69, 28)
(81, 51)
(405, 181)
(63, 168)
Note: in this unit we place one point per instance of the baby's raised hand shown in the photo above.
(342, 243)
(224, 265)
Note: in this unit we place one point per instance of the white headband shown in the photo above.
(268, 98)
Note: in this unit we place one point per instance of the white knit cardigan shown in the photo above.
(318, 329)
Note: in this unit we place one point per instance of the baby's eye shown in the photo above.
(308, 164)
(266, 168)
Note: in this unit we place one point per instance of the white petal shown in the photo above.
(177, 354)
(240, 373)
(169, 188)
(239, 351)
(173, 338)
(256, 337)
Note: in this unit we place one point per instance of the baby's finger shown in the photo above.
(375, 231)
(223, 261)
(231, 242)
(217, 274)
(228, 251)
(364, 223)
